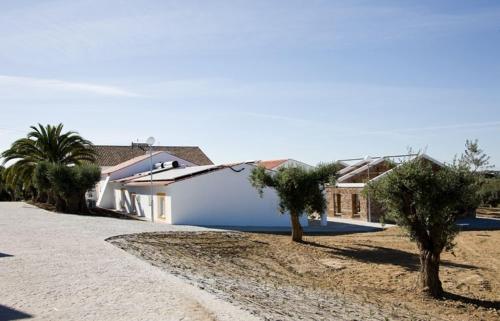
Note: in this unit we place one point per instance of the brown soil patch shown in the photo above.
(369, 276)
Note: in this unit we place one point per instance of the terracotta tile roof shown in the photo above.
(111, 155)
(270, 164)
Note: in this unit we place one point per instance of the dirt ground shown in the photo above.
(368, 276)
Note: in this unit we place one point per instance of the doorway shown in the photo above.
(161, 207)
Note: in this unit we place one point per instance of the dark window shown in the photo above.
(338, 203)
(356, 204)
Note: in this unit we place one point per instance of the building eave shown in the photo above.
(350, 185)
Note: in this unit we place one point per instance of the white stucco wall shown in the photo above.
(105, 189)
(144, 165)
(222, 198)
(142, 206)
(225, 198)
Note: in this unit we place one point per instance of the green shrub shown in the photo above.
(70, 185)
(41, 181)
(489, 192)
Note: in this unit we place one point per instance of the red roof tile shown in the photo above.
(111, 155)
(271, 164)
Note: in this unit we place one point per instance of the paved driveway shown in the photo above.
(58, 267)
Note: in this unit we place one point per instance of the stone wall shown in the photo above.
(346, 200)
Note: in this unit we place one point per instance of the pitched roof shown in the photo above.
(127, 163)
(270, 164)
(111, 155)
(365, 164)
(172, 175)
(354, 166)
(361, 169)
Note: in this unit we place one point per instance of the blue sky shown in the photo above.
(311, 80)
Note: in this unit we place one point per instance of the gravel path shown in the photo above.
(58, 267)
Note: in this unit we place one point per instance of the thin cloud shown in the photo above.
(272, 117)
(354, 132)
(435, 128)
(67, 86)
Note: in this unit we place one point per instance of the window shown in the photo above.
(338, 203)
(356, 204)
(161, 206)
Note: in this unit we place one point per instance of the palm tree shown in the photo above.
(45, 143)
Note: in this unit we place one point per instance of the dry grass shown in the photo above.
(366, 276)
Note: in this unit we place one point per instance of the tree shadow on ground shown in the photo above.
(383, 255)
(7, 314)
(477, 302)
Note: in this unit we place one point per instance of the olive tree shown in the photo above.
(71, 183)
(426, 200)
(300, 190)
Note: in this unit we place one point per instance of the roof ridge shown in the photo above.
(108, 145)
(111, 155)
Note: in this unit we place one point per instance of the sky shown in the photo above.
(311, 80)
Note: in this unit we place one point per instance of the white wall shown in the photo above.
(145, 165)
(227, 198)
(142, 206)
(105, 190)
(222, 197)
(106, 198)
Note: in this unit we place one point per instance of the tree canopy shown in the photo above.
(53, 166)
(71, 183)
(473, 157)
(300, 190)
(45, 143)
(426, 201)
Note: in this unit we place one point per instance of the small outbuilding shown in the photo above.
(346, 199)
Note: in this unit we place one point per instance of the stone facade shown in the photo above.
(346, 199)
(349, 202)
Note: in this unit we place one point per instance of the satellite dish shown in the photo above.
(150, 141)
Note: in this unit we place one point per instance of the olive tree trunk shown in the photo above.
(297, 231)
(60, 204)
(73, 203)
(51, 197)
(42, 197)
(429, 273)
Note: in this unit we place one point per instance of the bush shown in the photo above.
(41, 182)
(489, 192)
(70, 185)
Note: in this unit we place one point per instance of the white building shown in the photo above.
(211, 195)
(112, 157)
(105, 187)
